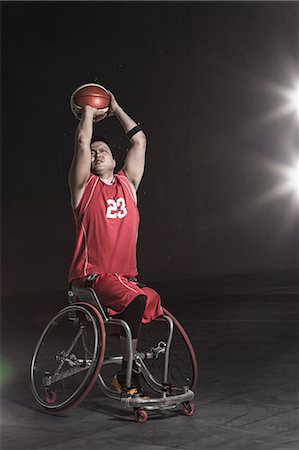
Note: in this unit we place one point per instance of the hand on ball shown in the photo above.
(113, 105)
(98, 114)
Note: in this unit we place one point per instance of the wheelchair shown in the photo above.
(81, 346)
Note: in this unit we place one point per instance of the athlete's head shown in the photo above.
(102, 160)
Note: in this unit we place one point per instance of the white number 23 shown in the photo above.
(116, 208)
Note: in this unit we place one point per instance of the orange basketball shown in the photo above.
(91, 94)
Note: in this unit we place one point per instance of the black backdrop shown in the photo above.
(199, 77)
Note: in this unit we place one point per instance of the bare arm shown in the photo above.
(135, 160)
(80, 167)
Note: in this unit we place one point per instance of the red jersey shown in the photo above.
(107, 222)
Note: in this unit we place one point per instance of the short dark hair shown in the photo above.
(100, 138)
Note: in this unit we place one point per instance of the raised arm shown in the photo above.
(80, 167)
(135, 160)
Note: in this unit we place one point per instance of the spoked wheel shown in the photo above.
(68, 358)
(182, 367)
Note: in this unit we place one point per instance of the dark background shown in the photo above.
(199, 77)
(219, 234)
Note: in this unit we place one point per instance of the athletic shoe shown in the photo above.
(119, 383)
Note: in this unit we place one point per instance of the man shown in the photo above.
(107, 220)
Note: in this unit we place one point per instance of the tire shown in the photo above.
(183, 368)
(189, 409)
(68, 358)
(141, 415)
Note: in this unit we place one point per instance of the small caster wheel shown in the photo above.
(141, 415)
(189, 408)
(50, 397)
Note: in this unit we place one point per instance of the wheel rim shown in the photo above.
(68, 357)
(182, 369)
(189, 346)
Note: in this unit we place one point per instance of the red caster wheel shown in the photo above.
(50, 397)
(189, 409)
(141, 415)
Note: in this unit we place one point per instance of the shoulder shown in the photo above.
(123, 176)
(91, 177)
(84, 196)
(124, 179)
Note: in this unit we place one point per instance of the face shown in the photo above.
(101, 158)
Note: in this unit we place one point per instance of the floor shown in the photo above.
(245, 333)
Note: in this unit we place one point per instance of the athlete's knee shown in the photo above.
(133, 315)
(140, 301)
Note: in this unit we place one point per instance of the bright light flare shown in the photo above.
(284, 175)
(291, 179)
(287, 180)
(289, 100)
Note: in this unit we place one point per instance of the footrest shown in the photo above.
(157, 403)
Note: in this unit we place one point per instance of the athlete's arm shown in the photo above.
(135, 160)
(80, 167)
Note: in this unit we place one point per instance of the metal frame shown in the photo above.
(89, 295)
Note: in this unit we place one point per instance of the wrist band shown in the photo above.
(133, 131)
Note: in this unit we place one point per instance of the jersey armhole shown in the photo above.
(127, 182)
(91, 176)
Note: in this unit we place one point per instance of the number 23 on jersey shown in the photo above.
(116, 209)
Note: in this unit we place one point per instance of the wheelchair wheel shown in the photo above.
(182, 367)
(68, 358)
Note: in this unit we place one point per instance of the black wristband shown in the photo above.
(133, 131)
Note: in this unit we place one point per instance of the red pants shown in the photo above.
(117, 292)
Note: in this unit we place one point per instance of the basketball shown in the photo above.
(90, 94)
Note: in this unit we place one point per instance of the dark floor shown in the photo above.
(245, 333)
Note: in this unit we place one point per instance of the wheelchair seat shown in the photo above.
(89, 295)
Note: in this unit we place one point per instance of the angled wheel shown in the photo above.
(182, 366)
(68, 358)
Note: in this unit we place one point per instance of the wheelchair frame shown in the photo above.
(86, 299)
